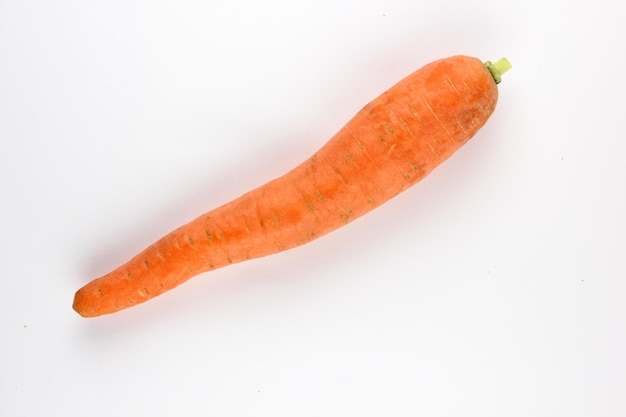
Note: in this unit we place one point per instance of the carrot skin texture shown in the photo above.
(388, 146)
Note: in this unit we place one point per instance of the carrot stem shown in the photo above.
(498, 68)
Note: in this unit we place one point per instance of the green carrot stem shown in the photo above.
(498, 68)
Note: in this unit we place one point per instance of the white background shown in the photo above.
(495, 287)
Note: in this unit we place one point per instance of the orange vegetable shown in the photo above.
(391, 144)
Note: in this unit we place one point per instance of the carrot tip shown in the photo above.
(498, 68)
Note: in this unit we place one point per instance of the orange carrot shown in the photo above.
(391, 144)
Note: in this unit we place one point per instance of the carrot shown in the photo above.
(391, 144)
